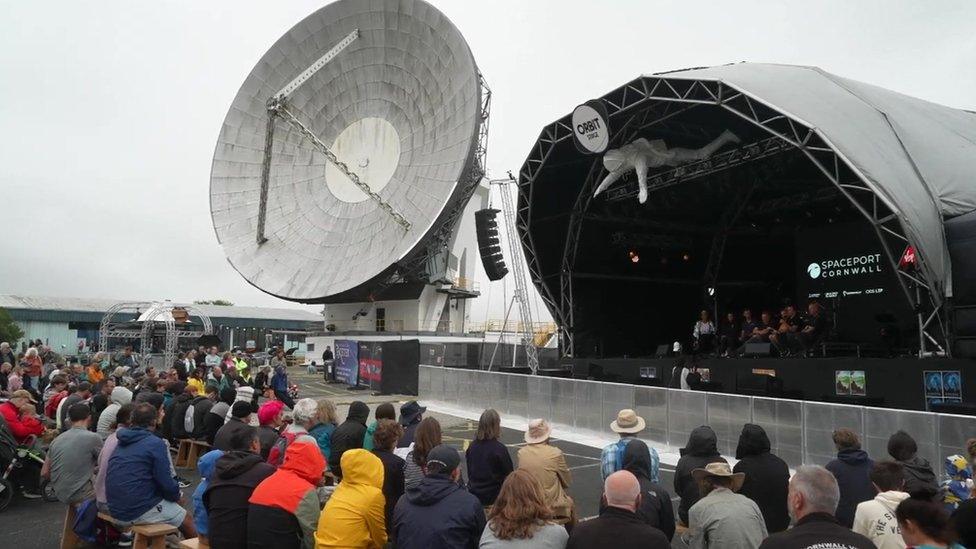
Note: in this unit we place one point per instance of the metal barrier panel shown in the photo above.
(478, 394)
(726, 414)
(687, 411)
(783, 422)
(451, 386)
(881, 423)
(954, 431)
(651, 403)
(423, 384)
(588, 412)
(518, 395)
(498, 392)
(465, 388)
(540, 397)
(437, 384)
(820, 420)
(616, 397)
(563, 402)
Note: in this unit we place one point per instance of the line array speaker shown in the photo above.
(486, 228)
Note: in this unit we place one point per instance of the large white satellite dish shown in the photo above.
(349, 151)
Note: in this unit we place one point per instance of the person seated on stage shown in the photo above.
(728, 340)
(786, 338)
(748, 326)
(815, 326)
(704, 333)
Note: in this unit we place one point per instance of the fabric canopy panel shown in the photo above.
(918, 157)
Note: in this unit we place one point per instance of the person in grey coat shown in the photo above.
(722, 518)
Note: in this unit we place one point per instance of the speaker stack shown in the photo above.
(489, 244)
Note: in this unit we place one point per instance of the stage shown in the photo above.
(889, 382)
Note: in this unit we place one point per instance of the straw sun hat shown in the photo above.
(627, 422)
(719, 469)
(538, 431)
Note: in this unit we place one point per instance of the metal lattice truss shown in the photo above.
(654, 101)
(154, 313)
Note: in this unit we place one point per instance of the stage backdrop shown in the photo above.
(401, 367)
(347, 361)
(843, 266)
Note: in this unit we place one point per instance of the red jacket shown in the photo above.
(21, 426)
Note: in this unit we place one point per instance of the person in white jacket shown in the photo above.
(120, 396)
(875, 518)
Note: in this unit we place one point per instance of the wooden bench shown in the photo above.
(189, 452)
(147, 536)
(195, 543)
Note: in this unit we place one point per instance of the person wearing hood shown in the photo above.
(852, 469)
(214, 419)
(206, 465)
(283, 511)
(919, 476)
(438, 512)
(119, 397)
(239, 422)
(767, 477)
(875, 519)
(236, 474)
(702, 449)
(655, 506)
(411, 414)
(176, 417)
(355, 514)
(139, 485)
(349, 435)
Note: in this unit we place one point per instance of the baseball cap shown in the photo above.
(446, 456)
(23, 393)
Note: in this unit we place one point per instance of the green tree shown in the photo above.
(222, 302)
(9, 330)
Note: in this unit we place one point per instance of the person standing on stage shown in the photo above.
(704, 333)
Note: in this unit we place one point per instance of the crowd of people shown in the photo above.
(790, 332)
(286, 473)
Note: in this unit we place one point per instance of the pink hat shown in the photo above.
(269, 410)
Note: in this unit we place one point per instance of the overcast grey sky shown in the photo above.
(110, 109)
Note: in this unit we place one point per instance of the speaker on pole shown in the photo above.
(486, 228)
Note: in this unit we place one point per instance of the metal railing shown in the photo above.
(800, 431)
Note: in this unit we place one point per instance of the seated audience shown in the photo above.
(214, 419)
(270, 421)
(326, 421)
(957, 485)
(20, 414)
(723, 518)
(438, 512)
(628, 425)
(655, 506)
(547, 464)
(283, 511)
(704, 333)
(875, 519)
(384, 443)
(919, 476)
(924, 523)
(963, 523)
(139, 487)
(205, 465)
(767, 478)
(82, 394)
(72, 458)
(108, 447)
(428, 435)
(235, 476)
(177, 421)
(618, 525)
(852, 469)
(120, 396)
(201, 405)
(355, 515)
(702, 449)
(239, 422)
(411, 414)
(304, 414)
(383, 411)
(813, 501)
(519, 518)
(349, 435)
(487, 459)
(100, 400)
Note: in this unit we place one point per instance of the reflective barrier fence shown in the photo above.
(800, 431)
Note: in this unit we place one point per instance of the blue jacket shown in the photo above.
(279, 381)
(138, 476)
(437, 514)
(206, 465)
(852, 468)
(322, 433)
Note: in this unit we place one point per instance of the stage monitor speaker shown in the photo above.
(758, 385)
(486, 229)
(758, 349)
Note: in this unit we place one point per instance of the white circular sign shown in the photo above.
(814, 270)
(370, 147)
(590, 129)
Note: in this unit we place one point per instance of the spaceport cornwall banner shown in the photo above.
(347, 361)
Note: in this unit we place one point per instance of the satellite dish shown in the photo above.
(349, 151)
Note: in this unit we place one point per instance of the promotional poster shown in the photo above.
(347, 361)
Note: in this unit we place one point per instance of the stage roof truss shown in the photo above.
(646, 95)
